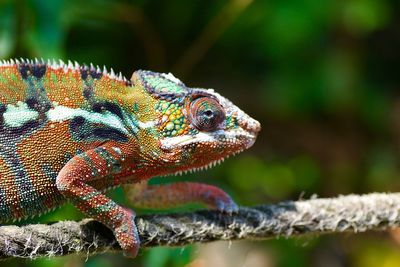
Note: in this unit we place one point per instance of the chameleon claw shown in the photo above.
(131, 252)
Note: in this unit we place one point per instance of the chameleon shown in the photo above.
(69, 132)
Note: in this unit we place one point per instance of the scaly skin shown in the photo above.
(69, 132)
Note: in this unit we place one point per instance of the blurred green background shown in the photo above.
(321, 77)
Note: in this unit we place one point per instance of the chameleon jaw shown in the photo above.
(206, 166)
(232, 143)
(181, 142)
(201, 168)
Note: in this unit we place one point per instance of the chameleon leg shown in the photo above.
(175, 194)
(73, 183)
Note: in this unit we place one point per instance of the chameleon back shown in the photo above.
(34, 144)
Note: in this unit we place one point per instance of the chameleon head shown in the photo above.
(197, 127)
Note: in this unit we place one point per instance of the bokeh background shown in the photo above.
(322, 77)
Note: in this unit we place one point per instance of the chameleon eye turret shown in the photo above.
(206, 114)
(69, 132)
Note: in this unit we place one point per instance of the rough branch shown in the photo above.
(343, 214)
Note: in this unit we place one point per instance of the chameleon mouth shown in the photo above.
(233, 141)
(236, 142)
(241, 139)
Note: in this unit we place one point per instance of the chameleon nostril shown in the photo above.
(255, 126)
(250, 125)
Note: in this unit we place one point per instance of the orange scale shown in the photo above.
(6, 173)
(64, 88)
(53, 145)
(12, 86)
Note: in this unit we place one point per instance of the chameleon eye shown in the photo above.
(206, 114)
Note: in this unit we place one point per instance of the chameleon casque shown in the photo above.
(70, 132)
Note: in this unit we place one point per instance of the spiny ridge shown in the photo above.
(201, 168)
(59, 64)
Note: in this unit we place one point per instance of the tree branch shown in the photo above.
(343, 214)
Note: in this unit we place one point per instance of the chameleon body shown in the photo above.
(70, 132)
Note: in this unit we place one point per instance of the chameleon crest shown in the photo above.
(69, 132)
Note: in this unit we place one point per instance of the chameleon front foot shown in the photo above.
(127, 235)
(73, 182)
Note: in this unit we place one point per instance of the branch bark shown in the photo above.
(351, 213)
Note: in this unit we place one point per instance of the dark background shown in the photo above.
(322, 77)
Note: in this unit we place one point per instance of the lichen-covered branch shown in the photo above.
(343, 214)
